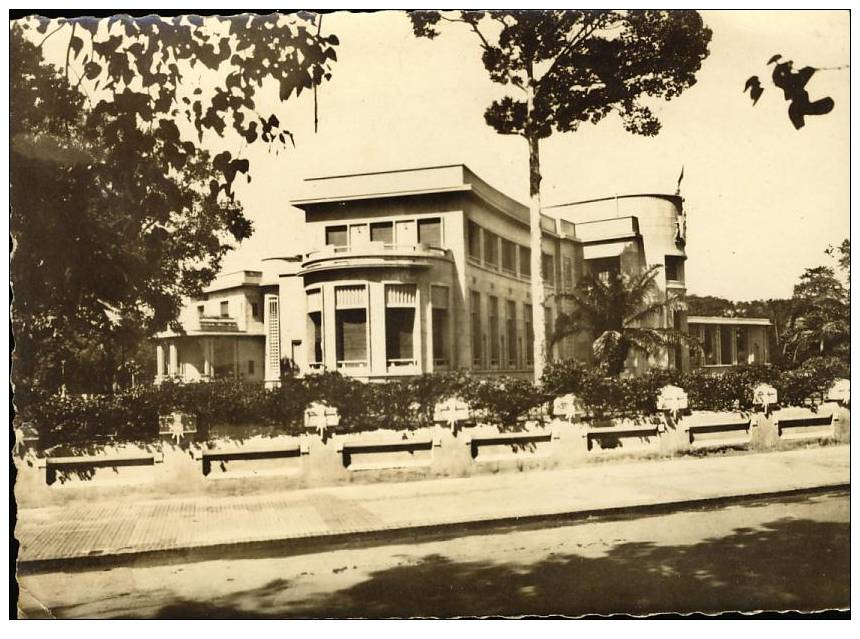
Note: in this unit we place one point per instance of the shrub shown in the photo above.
(503, 400)
(132, 415)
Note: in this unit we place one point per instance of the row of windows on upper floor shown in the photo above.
(224, 310)
(494, 252)
(393, 232)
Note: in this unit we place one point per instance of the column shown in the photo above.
(417, 330)
(329, 333)
(159, 359)
(427, 311)
(376, 320)
(173, 366)
(272, 349)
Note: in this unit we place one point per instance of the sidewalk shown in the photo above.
(120, 531)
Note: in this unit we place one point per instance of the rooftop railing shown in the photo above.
(374, 248)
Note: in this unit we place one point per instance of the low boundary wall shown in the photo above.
(232, 465)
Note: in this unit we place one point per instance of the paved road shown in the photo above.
(787, 554)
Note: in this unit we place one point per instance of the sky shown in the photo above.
(763, 200)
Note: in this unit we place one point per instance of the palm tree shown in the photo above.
(623, 312)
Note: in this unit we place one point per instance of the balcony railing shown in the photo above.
(217, 323)
(352, 363)
(374, 248)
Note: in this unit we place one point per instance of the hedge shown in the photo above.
(132, 415)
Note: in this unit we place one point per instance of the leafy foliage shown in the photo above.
(624, 313)
(118, 210)
(820, 321)
(597, 62)
(132, 415)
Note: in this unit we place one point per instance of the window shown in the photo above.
(474, 240)
(200, 310)
(743, 344)
(726, 335)
(710, 345)
(350, 318)
(525, 261)
(511, 319)
(439, 302)
(315, 334)
(335, 235)
(351, 336)
(399, 324)
(382, 232)
(225, 309)
(255, 310)
(430, 232)
(530, 336)
(567, 272)
(674, 268)
(605, 267)
(509, 257)
(315, 328)
(477, 355)
(250, 367)
(493, 316)
(548, 268)
(491, 249)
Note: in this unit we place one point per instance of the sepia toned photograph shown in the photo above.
(429, 314)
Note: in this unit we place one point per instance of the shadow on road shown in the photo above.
(787, 564)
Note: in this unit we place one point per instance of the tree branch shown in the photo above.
(69, 48)
(515, 80)
(584, 32)
(63, 24)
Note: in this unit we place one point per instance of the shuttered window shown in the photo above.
(439, 302)
(382, 232)
(530, 336)
(525, 261)
(474, 239)
(491, 248)
(493, 316)
(511, 319)
(477, 358)
(351, 325)
(430, 231)
(335, 235)
(509, 257)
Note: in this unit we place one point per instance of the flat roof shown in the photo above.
(728, 321)
(446, 178)
(662, 196)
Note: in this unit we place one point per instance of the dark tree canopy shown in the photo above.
(119, 208)
(595, 62)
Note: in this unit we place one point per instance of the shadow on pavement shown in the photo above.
(788, 564)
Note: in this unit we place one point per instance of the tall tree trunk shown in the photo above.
(538, 293)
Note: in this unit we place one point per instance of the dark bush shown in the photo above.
(503, 400)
